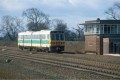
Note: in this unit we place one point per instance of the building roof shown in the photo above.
(98, 21)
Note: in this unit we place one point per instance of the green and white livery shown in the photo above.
(44, 40)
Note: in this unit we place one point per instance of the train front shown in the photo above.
(57, 41)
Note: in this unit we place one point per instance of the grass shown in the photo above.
(70, 46)
(18, 69)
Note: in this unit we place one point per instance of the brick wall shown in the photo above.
(100, 44)
(92, 43)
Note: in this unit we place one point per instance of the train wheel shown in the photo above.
(18, 47)
(44, 50)
(30, 49)
(22, 48)
(38, 50)
(47, 50)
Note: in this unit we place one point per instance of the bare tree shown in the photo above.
(79, 32)
(10, 27)
(60, 25)
(114, 11)
(37, 20)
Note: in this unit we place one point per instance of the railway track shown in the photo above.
(102, 59)
(63, 63)
(70, 59)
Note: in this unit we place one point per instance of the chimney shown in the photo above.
(98, 19)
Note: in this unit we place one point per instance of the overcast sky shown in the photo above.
(71, 11)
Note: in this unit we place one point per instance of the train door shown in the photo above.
(40, 37)
(20, 40)
(118, 48)
(23, 41)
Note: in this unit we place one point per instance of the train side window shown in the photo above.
(37, 37)
(25, 37)
(22, 36)
(19, 37)
(32, 36)
(48, 36)
(44, 36)
(28, 37)
(40, 36)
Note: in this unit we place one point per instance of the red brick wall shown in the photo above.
(92, 43)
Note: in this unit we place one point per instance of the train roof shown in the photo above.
(25, 33)
(38, 32)
(50, 30)
(42, 32)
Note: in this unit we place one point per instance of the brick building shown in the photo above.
(102, 36)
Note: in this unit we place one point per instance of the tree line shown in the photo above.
(37, 20)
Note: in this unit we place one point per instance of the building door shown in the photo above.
(116, 47)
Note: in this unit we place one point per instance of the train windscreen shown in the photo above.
(57, 36)
(53, 37)
(61, 37)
